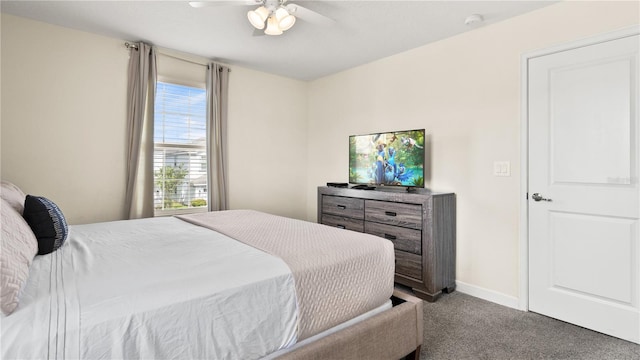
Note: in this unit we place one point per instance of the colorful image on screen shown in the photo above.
(391, 158)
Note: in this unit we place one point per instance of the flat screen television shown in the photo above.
(390, 158)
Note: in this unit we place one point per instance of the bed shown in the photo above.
(237, 284)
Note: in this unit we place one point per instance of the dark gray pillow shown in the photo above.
(47, 223)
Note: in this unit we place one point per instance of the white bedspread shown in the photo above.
(152, 289)
(338, 274)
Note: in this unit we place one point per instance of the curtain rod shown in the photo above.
(182, 59)
(135, 47)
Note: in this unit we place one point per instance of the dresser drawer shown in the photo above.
(404, 239)
(399, 214)
(343, 206)
(343, 222)
(409, 265)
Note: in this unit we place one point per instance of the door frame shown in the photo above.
(523, 267)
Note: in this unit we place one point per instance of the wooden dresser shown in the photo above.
(421, 225)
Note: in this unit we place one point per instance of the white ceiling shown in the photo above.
(363, 31)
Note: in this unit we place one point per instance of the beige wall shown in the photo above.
(465, 91)
(63, 117)
(267, 143)
(63, 124)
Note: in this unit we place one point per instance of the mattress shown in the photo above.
(152, 288)
(339, 274)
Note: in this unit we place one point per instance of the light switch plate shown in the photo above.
(502, 168)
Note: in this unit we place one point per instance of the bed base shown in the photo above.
(393, 334)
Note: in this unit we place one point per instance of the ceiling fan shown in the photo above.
(274, 16)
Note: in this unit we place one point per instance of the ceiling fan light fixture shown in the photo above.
(272, 26)
(258, 16)
(285, 20)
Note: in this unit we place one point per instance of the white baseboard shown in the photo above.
(489, 295)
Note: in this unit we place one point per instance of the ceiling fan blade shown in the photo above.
(309, 15)
(201, 4)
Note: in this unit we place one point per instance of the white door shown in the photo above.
(584, 251)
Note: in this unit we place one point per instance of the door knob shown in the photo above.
(538, 197)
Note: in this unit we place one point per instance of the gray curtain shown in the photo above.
(217, 93)
(140, 98)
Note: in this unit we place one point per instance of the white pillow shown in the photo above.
(18, 247)
(13, 195)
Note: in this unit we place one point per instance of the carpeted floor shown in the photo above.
(459, 326)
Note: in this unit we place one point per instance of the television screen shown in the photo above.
(391, 158)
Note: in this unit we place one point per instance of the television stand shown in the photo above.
(421, 225)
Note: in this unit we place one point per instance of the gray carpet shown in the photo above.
(459, 326)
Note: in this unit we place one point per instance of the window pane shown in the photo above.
(180, 164)
(180, 114)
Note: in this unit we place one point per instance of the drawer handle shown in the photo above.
(342, 207)
(390, 213)
(389, 237)
(340, 227)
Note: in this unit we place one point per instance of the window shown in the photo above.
(180, 154)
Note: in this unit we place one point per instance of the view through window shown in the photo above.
(180, 156)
